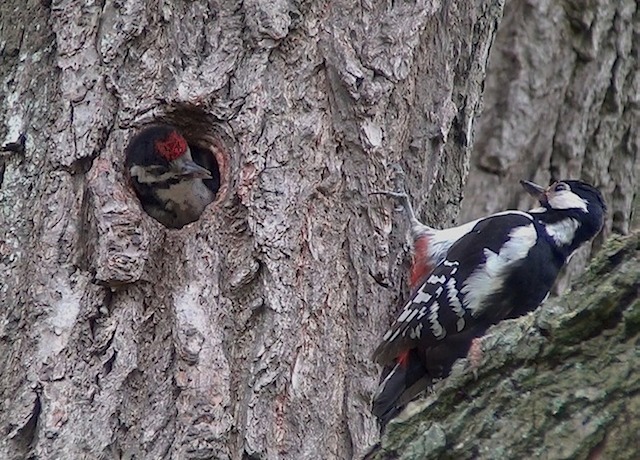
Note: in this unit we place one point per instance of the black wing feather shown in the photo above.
(434, 317)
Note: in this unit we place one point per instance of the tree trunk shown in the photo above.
(247, 334)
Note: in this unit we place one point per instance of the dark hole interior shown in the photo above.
(204, 157)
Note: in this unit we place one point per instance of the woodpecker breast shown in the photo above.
(181, 202)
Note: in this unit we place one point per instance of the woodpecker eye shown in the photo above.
(561, 187)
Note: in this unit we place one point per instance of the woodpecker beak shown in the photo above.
(539, 193)
(186, 167)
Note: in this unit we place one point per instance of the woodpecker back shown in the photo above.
(495, 268)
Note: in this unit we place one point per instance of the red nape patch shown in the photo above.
(172, 147)
(403, 358)
(421, 266)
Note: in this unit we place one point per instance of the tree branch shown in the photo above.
(563, 382)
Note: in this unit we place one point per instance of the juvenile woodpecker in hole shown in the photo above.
(467, 278)
(169, 183)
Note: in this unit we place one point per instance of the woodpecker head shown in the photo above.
(573, 211)
(160, 153)
(165, 177)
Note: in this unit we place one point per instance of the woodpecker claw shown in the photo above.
(402, 197)
(400, 193)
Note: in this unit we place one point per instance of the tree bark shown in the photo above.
(248, 334)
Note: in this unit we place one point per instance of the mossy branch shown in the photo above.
(563, 382)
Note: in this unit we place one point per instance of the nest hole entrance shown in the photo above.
(165, 163)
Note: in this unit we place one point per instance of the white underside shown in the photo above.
(188, 196)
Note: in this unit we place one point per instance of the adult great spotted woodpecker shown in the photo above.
(171, 186)
(467, 278)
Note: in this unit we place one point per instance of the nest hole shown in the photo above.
(173, 190)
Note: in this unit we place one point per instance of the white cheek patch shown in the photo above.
(566, 199)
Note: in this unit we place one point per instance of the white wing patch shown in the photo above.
(488, 278)
(414, 313)
(433, 279)
(453, 264)
(423, 304)
(391, 335)
(456, 305)
(406, 311)
(416, 331)
(422, 297)
(423, 312)
(436, 327)
(441, 240)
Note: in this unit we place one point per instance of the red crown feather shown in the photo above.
(172, 147)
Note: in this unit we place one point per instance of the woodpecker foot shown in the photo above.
(402, 197)
(475, 355)
(397, 177)
(400, 193)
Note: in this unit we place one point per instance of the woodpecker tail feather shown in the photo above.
(400, 383)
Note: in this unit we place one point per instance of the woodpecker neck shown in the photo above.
(567, 229)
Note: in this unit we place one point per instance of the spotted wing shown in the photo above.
(458, 294)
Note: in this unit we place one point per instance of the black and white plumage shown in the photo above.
(467, 278)
(172, 187)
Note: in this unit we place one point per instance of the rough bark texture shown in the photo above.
(562, 100)
(248, 333)
(563, 382)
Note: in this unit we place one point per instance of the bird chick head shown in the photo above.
(172, 147)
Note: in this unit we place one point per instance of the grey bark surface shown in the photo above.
(561, 101)
(247, 334)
